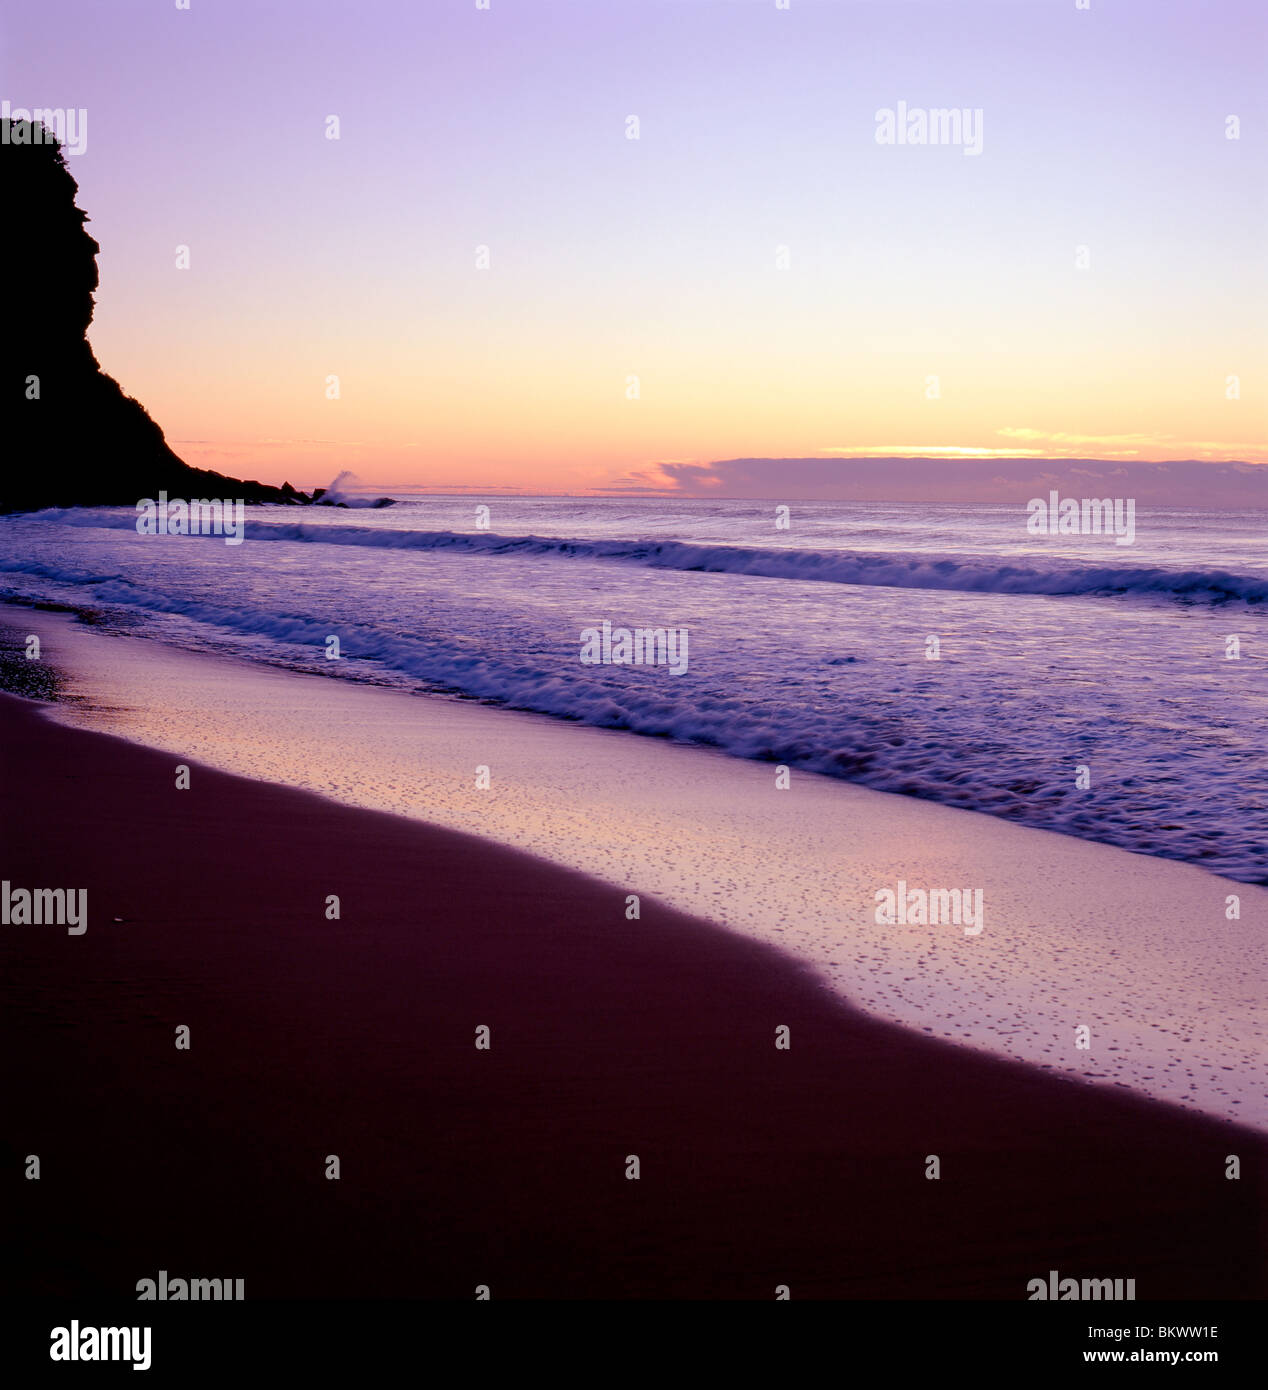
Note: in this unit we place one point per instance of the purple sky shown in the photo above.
(657, 261)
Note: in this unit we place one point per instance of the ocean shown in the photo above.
(1112, 692)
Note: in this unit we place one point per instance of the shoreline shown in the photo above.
(1137, 949)
(507, 1167)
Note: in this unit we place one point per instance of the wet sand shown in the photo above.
(1140, 950)
(460, 1167)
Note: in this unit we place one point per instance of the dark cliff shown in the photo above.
(69, 436)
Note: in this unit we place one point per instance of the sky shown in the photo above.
(756, 276)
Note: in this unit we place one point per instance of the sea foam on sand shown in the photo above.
(1139, 952)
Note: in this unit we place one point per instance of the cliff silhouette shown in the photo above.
(71, 436)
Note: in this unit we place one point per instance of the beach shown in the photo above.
(1140, 951)
(410, 969)
(759, 1168)
(633, 666)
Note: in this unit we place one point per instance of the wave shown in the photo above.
(980, 756)
(909, 570)
(339, 494)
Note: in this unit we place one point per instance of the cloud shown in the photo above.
(1181, 482)
(924, 451)
(1148, 441)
